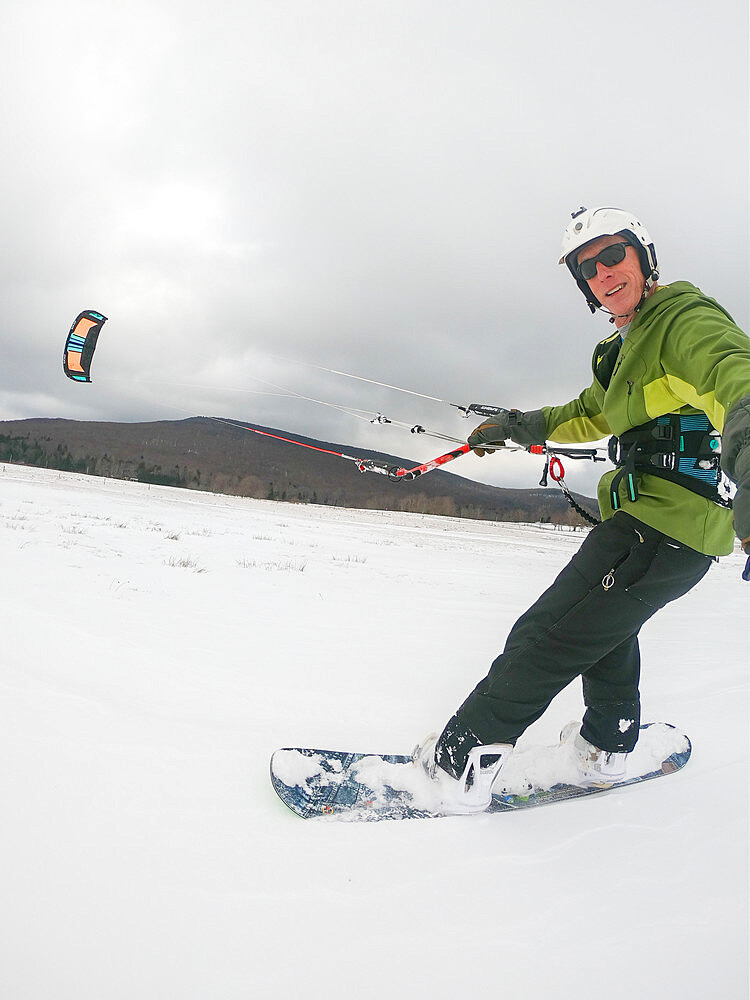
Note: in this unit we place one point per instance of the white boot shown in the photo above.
(472, 792)
(597, 767)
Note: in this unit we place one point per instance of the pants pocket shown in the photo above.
(605, 550)
(674, 570)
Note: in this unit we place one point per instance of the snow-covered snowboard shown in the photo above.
(357, 786)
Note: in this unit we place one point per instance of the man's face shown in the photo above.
(619, 288)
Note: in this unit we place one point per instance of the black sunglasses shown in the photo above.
(609, 256)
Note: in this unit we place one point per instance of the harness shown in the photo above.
(683, 448)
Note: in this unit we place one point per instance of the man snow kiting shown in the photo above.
(672, 385)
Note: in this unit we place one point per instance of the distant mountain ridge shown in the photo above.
(207, 454)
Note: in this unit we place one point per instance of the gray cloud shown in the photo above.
(378, 188)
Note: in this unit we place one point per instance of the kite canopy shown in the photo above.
(79, 347)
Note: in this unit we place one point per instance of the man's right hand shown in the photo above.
(493, 433)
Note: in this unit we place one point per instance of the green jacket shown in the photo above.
(683, 353)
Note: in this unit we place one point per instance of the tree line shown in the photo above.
(233, 479)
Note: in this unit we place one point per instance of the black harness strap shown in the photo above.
(681, 448)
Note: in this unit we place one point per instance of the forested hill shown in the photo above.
(203, 453)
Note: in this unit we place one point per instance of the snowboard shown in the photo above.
(337, 784)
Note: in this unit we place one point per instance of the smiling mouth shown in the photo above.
(616, 289)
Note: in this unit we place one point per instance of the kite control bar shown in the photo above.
(590, 453)
(406, 475)
(554, 465)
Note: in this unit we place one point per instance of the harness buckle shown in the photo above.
(663, 432)
(665, 460)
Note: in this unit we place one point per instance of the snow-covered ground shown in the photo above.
(160, 644)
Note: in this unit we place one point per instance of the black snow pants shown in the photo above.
(586, 625)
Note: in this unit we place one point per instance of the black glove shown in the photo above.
(494, 431)
(524, 428)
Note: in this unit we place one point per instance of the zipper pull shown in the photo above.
(609, 580)
(630, 387)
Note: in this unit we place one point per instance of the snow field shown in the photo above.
(160, 644)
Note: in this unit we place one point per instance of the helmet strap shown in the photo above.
(648, 285)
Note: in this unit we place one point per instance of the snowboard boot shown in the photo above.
(598, 768)
(471, 791)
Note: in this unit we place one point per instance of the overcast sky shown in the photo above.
(378, 187)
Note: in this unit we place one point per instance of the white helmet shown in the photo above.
(589, 224)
